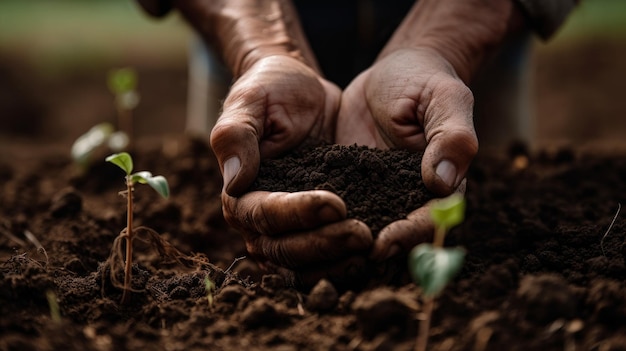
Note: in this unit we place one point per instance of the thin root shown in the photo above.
(619, 207)
(33, 239)
(115, 261)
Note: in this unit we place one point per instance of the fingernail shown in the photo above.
(447, 172)
(231, 168)
(393, 250)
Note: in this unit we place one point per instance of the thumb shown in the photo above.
(235, 142)
(451, 139)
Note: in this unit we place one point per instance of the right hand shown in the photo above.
(275, 106)
(412, 99)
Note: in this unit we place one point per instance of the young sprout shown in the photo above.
(122, 83)
(431, 265)
(95, 141)
(55, 311)
(209, 287)
(124, 161)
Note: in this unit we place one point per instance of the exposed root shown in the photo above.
(232, 265)
(23, 244)
(40, 249)
(619, 207)
(168, 253)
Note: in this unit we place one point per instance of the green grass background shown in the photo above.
(595, 18)
(54, 35)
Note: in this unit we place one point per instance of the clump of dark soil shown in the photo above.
(378, 186)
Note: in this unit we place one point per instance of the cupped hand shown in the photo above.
(272, 108)
(275, 106)
(412, 99)
(303, 236)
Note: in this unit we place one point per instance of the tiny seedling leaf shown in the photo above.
(118, 141)
(86, 143)
(158, 183)
(209, 287)
(123, 161)
(141, 177)
(122, 80)
(128, 99)
(53, 305)
(448, 212)
(433, 267)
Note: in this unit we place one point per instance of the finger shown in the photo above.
(403, 235)
(451, 139)
(235, 139)
(304, 249)
(273, 213)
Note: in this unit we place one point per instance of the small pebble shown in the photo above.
(323, 297)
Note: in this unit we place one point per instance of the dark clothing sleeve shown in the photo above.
(546, 16)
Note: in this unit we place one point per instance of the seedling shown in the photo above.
(99, 137)
(124, 161)
(431, 265)
(209, 287)
(122, 83)
(55, 313)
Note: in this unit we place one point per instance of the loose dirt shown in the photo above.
(372, 182)
(543, 271)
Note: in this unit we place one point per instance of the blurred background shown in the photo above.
(55, 56)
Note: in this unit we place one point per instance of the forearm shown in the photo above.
(464, 32)
(245, 31)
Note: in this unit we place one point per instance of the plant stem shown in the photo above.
(424, 325)
(128, 267)
(427, 310)
(126, 123)
(440, 235)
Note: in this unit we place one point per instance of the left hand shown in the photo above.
(412, 99)
(274, 107)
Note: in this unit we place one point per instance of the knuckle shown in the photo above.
(275, 251)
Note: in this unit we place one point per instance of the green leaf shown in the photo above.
(433, 268)
(122, 80)
(86, 143)
(158, 183)
(127, 100)
(122, 160)
(141, 177)
(118, 141)
(448, 212)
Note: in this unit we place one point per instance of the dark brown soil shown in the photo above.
(543, 270)
(372, 182)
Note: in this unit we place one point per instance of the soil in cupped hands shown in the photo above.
(378, 186)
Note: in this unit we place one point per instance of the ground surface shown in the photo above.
(545, 269)
(542, 270)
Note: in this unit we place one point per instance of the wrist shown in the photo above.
(245, 31)
(463, 32)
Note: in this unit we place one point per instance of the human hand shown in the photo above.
(412, 99)
(272, 108)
